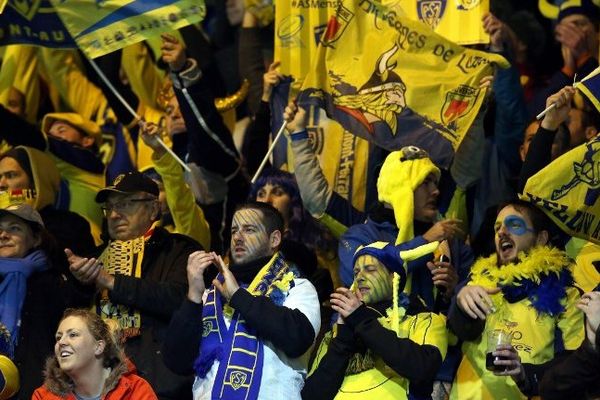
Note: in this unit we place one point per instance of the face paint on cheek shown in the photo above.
(375, 284)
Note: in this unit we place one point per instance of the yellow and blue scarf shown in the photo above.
(238, 350)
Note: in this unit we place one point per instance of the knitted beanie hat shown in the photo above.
(402, 172)
(396, 260)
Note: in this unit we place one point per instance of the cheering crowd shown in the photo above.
(140, 260)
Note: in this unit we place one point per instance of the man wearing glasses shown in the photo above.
(140, 276)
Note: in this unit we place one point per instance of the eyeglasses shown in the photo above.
(123, 206)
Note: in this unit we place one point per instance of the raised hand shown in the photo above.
(475, 301)
(85, 270)
(296, 117)
(560, 112)
(150, 135)
(590, 305)
(443, 274)
(572, 37)
(497, 30)
(197, 263)
(229, 285)
(443, 230)
(271, 78)
(344, 301)
(173, 52)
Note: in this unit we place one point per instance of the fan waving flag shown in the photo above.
(395, 82)
(568, 191)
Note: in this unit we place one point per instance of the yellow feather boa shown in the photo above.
(539, 260)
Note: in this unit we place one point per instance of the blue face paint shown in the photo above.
(514, 224)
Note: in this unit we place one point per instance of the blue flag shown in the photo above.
(33, 22)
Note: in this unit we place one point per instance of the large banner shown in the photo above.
(393, 81)
(568, 190)
(456, 20)
(96, 26)
(102, 26)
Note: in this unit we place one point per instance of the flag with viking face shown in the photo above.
(393, 81)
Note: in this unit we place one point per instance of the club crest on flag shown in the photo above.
(336, 26)
(431, 11)
(27, 8)
(586, 172)
(466, 4)
(458, 103)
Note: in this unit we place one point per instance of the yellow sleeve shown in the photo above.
(65, 71)
(144, 76)
(322, 350)
(187, 215)
(20, 70)
(571, 321)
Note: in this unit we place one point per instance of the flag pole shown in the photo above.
(134, 113)
(269, 152)
(553, 105)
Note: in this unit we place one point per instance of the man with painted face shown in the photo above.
(138, 280)
(259, 318)
(385, 344)
(525, 288)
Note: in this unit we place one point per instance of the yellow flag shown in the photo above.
(2, 5)
(568, 189)
(393, 81)
(102, 26)
(299, 25)
(456, 20)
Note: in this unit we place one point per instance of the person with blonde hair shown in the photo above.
(89, 364)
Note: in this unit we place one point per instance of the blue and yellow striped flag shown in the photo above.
(590, 87)
(568, 191)
(393, 81)
(456, 20)
(102, 26)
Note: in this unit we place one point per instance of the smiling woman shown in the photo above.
(89, 364)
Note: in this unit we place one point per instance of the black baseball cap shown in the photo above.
(130, 182)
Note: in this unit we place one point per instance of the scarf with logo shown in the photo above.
(238, 350)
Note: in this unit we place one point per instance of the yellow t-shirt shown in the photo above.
(533, 337)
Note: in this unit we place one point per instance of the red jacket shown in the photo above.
(130, 387)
